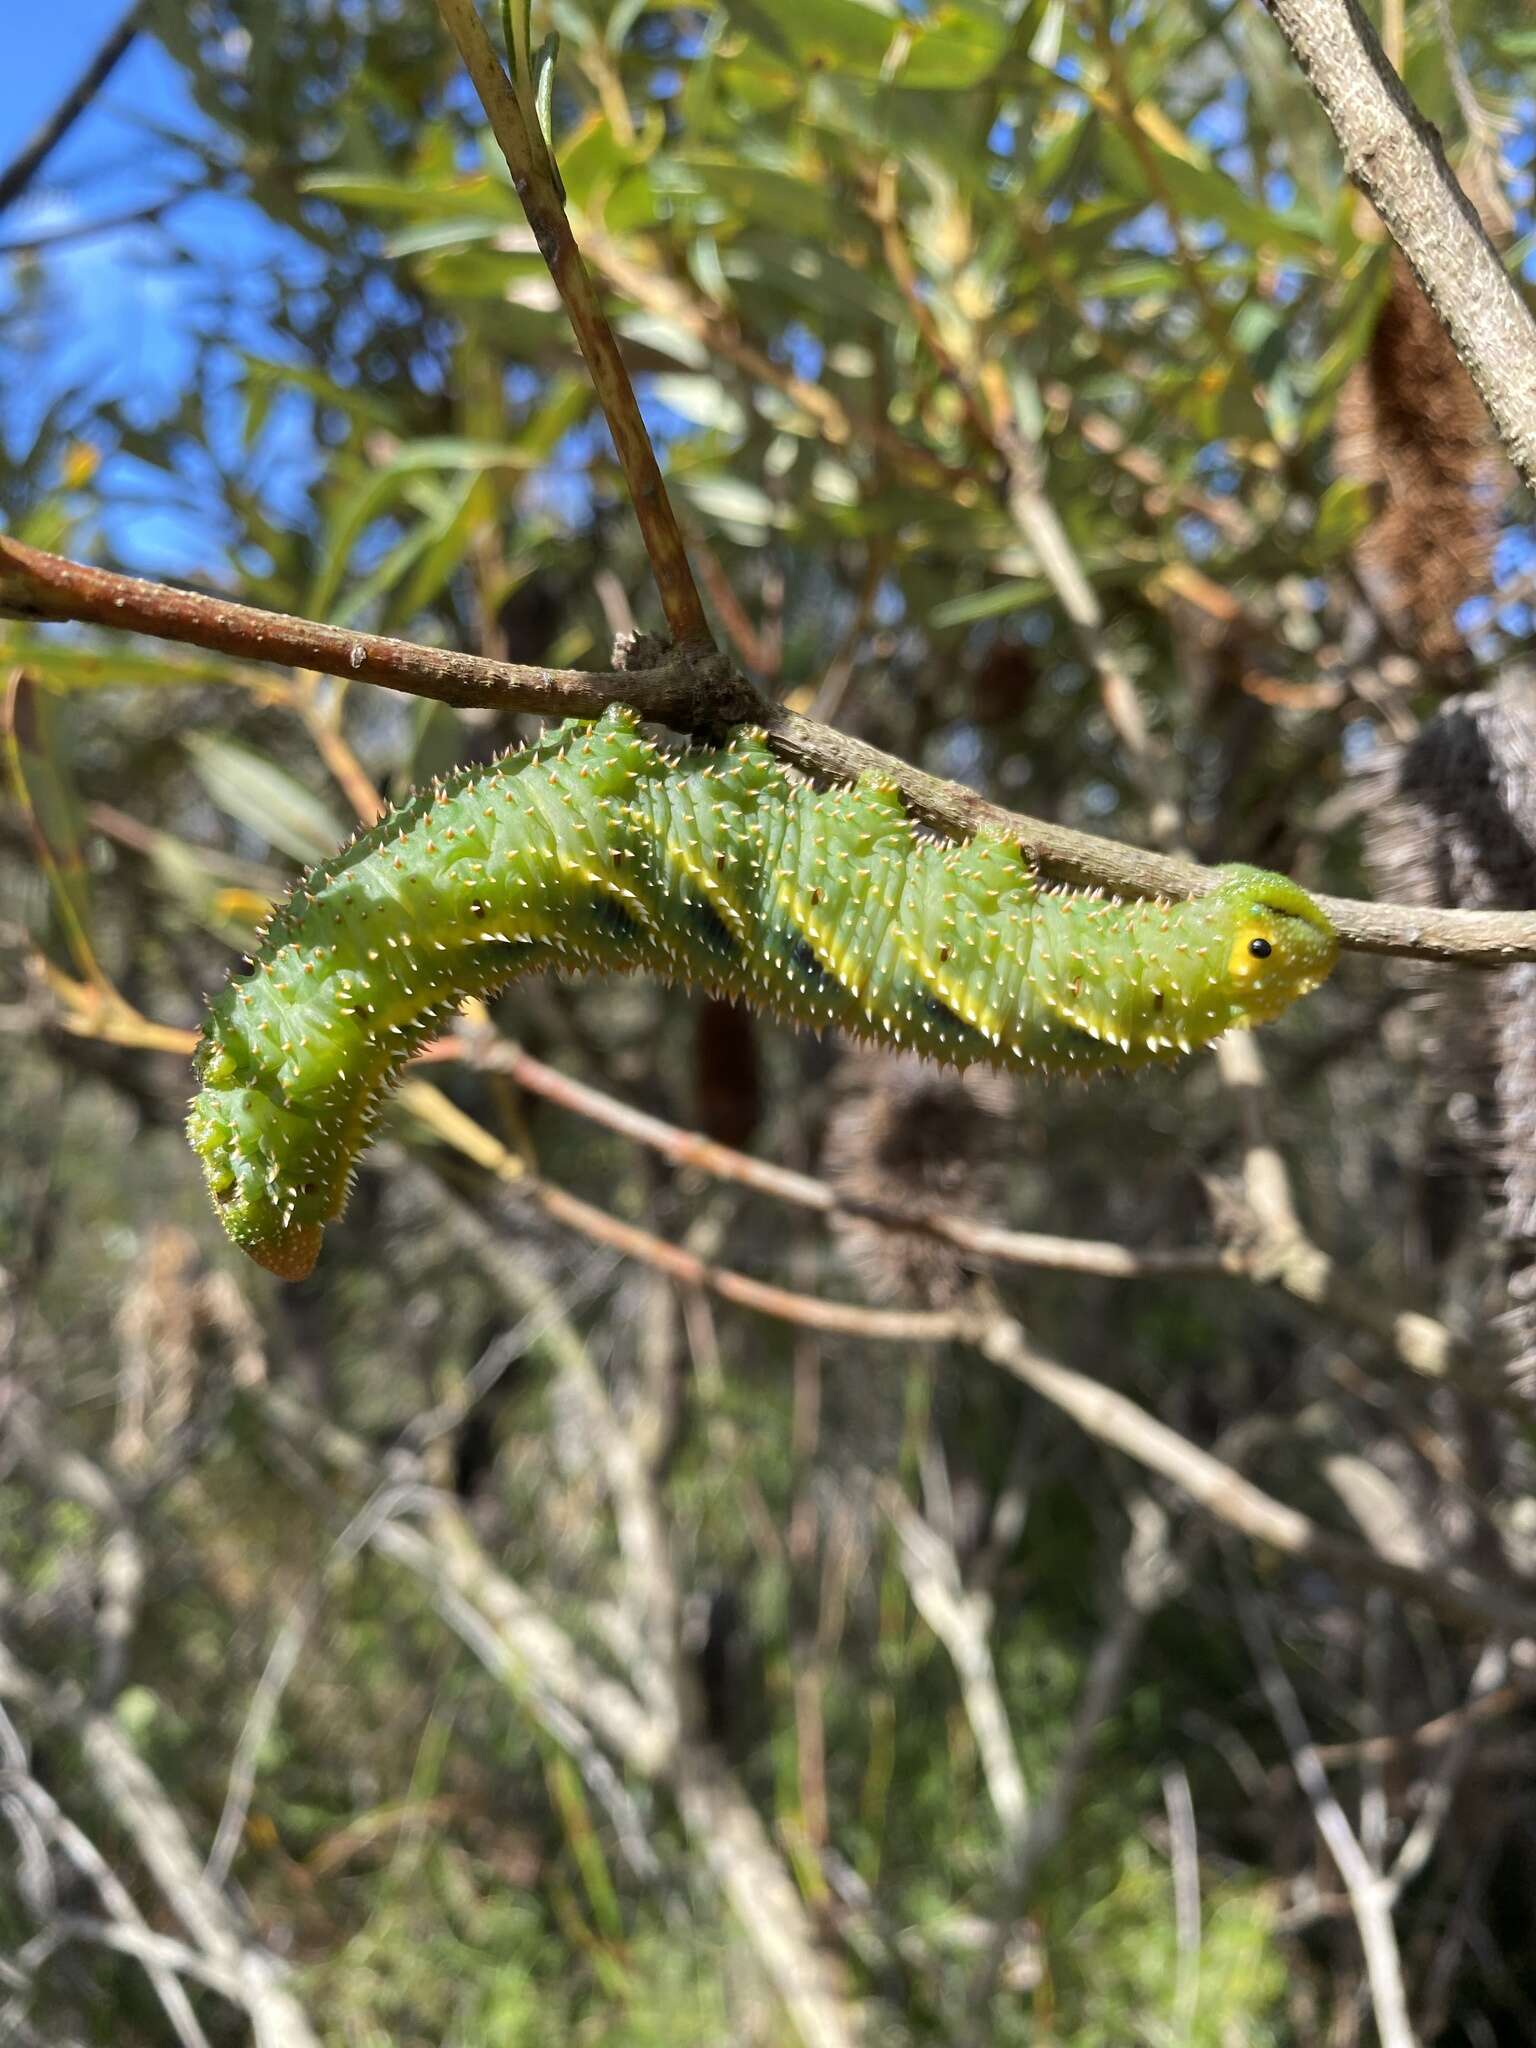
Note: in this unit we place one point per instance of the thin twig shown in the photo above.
(448, 1556)
(86, 230)
(1184, 1857)
(1435, 1804)
(989, 404)
(692, 1149)
(1371, 1896)
(725, 1827)
(1150, 1574)
(282, 1662)
(140, 1806)
(1479, 1711)
(159, 1952)
(1453, 1591)
(643, 276)
(962, 1621)
(116, 1899)
(506, 1656)
(1285, 1255)
(39, 586)
(538, 188)
(809, 1311)
(733, 1842)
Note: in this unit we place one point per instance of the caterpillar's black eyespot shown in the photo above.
(243, 966)
(477, 910)
(1260, 948)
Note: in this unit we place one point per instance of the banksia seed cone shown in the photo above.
(910, 1136)
(1410, 420)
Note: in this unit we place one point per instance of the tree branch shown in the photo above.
(1452, 1591)
(537, 186)
(51, 588)
(1371, 1896)
(1224, 1493)
(1396, 158)
(44, 587)
(1275, 1253)
(76, 1847)
(684, 1148)
(1150, 1575)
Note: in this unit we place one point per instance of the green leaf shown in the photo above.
(545, 59)
(1200, 191)
(465, 507)
(953, 49)
(374, 494)
(1345, 510)
(65, 667)
(736, 505)
(704, 400)
(473, 194)
(226, 896)
(265, 798)
(993, 603)
(841, 34)
(428, 237)
(37, 759)
(650, 330)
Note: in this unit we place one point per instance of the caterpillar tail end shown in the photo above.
(292, 1254)
(271, 1195)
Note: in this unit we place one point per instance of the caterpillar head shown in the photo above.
(1269, 943)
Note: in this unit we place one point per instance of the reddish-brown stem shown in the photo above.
(44, 587)
(691, 1148)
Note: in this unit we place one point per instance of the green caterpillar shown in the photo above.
(596, 849)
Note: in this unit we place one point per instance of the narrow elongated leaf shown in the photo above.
(37, 766)
(265, 798)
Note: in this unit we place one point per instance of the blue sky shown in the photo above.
(46, 50)
(122, 322)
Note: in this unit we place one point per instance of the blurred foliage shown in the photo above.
(826, 232)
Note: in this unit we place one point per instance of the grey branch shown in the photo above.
(727, 1831)
(139, 1804)
(962, 1621)
(1223, 1493)
(1151, 1574)
(1371, 1896)
(1396, 158)
(227, 1955)
(76, 1847)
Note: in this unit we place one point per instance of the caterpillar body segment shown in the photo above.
(596, 850)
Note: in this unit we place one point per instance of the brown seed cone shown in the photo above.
(910, 1135)
(1410, 421)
